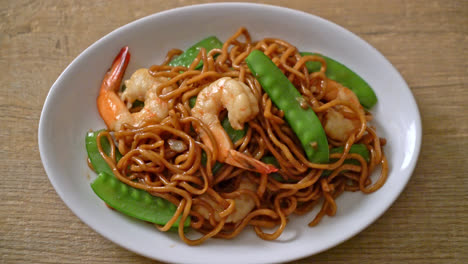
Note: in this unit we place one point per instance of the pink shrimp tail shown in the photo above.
(113, 77)
(108, 103)
(243, 161)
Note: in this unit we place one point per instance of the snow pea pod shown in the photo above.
(125, 199)
(134, 202)
(185, 59)
(345, 76)
(99, 164)
(282, 92)
(360, 149)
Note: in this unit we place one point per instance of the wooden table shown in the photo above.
(427, 41)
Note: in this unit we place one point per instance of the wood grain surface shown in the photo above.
(427, 41)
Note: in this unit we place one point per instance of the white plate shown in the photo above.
(70, 111)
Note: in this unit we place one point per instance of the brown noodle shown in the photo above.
(148, 163)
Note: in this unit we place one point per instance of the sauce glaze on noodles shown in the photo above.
(148, 162)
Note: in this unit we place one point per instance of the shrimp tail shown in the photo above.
(114, 76)
(240, 160)
(108, 102)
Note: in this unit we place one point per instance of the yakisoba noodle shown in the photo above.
(150, 164)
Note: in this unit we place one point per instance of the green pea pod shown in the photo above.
(186, 58)
(345, 76)
(360, 149)
(99, 164)
(132, 205)
(134, 202)
(282, 92)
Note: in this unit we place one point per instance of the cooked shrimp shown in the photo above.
(242, 106)
(141, 86)
(243, 203)
(338, 125)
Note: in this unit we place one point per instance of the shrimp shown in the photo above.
(242, 106)
(337, 124)
(141, 86)
(243, 203)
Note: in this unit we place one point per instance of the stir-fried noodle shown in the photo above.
(165, 157)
